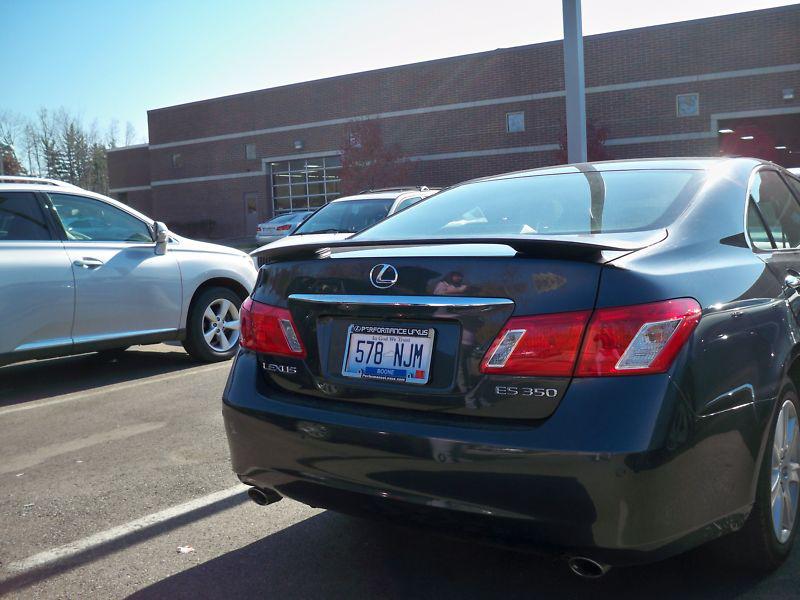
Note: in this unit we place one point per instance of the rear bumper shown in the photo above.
(572, 484)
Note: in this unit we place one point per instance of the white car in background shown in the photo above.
(80, 272)
(795, 171)
(280, 226)
(346, 216)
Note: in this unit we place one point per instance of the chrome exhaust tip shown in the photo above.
(587, 568)
(263, 497)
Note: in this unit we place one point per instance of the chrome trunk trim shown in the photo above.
(402, 301)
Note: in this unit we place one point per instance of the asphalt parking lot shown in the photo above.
(109, 467)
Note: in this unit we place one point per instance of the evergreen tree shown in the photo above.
(58, 145)
(9, 165)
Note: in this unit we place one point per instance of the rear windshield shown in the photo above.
(283, 219)
(571, 203)
(348, 216)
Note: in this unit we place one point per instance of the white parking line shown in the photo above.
(109, 389)
(67, 550)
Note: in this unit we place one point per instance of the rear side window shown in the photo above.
(570, 203)
(87, 219)
(756, 230)
(21, 218)
(408, 202)
(771, 204)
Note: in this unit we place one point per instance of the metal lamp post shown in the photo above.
(574, 80)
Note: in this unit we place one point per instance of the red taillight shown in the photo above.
(283, 227)
(269, 330)
(624, 340)
(644, 338)
(543, 345)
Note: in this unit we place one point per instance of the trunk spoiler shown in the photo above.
(582, 246)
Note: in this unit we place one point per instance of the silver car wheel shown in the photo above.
(785, 480)
(221, 325)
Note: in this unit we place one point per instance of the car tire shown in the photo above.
(759, 545)
(212, 332)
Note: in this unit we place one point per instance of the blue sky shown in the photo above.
(106, 59)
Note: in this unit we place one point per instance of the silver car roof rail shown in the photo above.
(36, 181)
(401, 188)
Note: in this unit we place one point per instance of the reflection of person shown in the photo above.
(443, 451)
(548, 215)
(452, 283)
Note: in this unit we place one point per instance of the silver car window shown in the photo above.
(87, 219)
(21, 218)
(408, 202)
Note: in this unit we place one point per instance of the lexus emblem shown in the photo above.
(383, 276)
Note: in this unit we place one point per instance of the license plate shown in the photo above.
(381, 353)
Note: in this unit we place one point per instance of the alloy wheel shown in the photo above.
(221, 325)
(785, 480)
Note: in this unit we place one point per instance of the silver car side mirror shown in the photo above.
(162, 236)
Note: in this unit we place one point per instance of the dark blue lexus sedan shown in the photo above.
(599, 359)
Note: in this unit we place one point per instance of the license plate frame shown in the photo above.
(390, 334)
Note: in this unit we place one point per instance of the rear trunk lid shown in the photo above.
(458, 296)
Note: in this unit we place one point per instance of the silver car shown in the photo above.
(345, 216)
(80, 272)
(280, 226)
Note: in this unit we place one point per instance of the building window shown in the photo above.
(176, 160)
(304, 184)
(687, 105)
(354, 139)
(249, 151)
(515, 121)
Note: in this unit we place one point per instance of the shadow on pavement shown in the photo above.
(36, 380)
(28, 578)
(333, 556)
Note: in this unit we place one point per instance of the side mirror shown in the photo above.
(162, 235)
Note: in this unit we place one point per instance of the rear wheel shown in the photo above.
(212, 328)
(767, 537)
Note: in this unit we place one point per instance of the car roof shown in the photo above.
(283, 215)
(369, 196)
(293, 213)
(387, 195)
(49, 186)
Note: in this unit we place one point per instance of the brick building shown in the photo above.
(215, 168)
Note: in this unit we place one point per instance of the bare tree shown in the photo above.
(130, 134)
(32, 157)
(58, 144)
(11, 128)
(368, 162)
(112, 135)
(44, 136)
